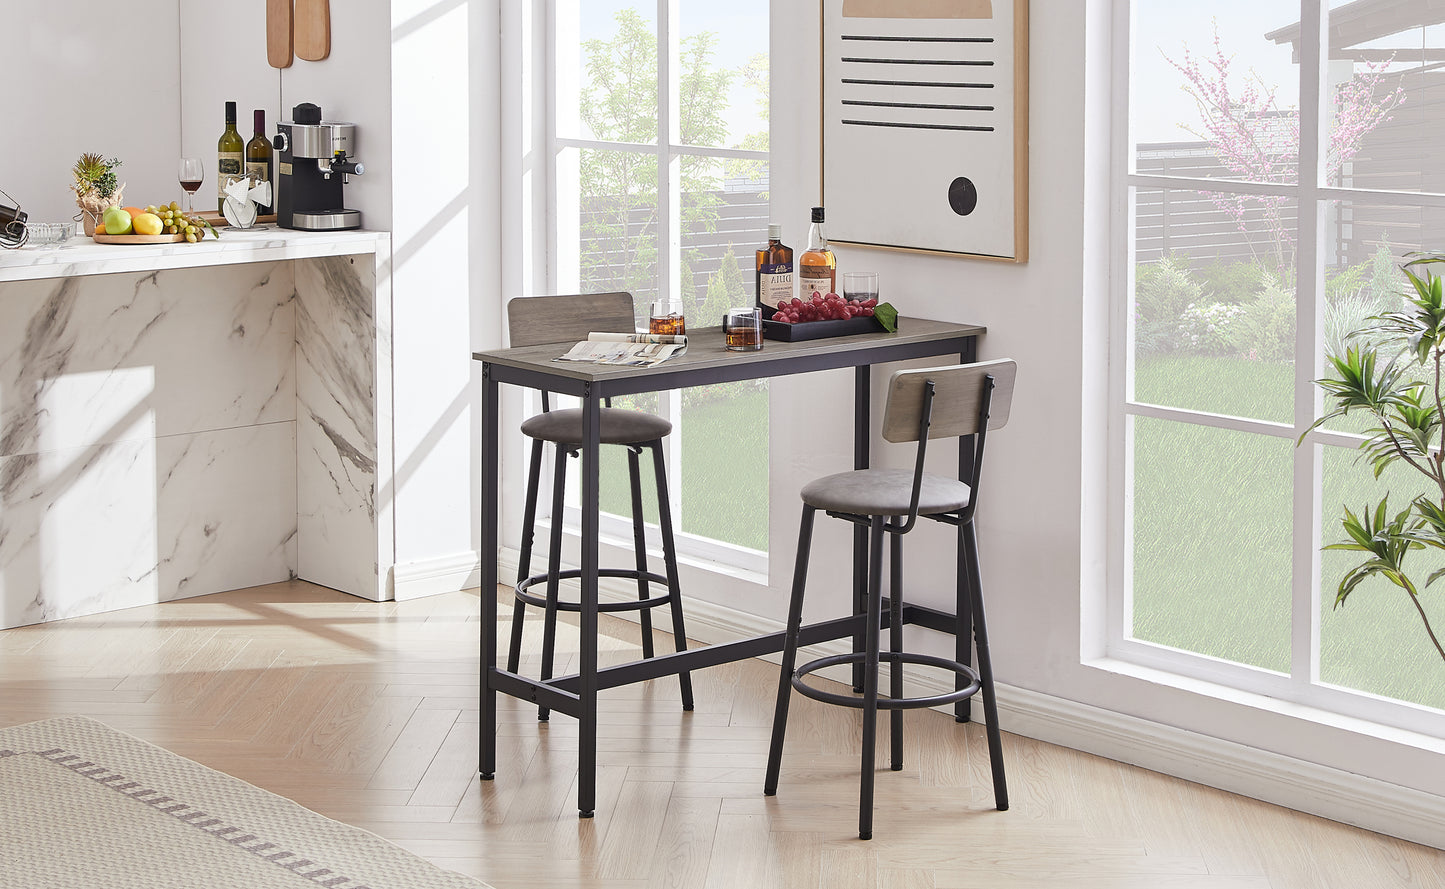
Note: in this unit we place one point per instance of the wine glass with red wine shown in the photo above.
(190, 175)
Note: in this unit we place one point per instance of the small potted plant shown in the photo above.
(1394, 373)
(95, 188)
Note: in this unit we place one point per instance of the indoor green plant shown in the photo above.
(95, 187)
(1409, 425)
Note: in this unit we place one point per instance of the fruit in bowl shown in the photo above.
(147, 224)
(117, 221)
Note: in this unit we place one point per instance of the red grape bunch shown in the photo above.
(831, 307)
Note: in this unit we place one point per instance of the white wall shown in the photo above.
(88, 76)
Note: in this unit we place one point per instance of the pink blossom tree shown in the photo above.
(1258, 140)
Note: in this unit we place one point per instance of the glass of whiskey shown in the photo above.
(743, 329)
(666, 318)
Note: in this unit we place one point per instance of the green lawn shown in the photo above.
(724, 471)
(1212, 530)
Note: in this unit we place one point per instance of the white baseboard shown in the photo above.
(1331, 793)
(429, 577)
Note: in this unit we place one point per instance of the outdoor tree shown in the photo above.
(619, 187)
(1258, 140)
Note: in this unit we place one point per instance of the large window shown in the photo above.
(1278, 162)
(659, 143)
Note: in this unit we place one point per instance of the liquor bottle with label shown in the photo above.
(775, 270)
(816, 267)
(258, 159)
(229, 153)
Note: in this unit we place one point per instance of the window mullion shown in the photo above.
(1309, 288)
(669, 222)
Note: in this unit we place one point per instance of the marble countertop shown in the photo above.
(83, 256)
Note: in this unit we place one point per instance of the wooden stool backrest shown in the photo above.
(539, 320)
(958, 390)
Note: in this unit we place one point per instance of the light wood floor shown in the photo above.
(367, 713)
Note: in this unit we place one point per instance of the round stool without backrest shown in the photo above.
(940, 402)
(541, 320)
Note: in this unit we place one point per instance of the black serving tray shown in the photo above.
(815, 330)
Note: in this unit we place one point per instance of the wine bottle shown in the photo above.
(258, 158)
(775, 270)
(229, 152)
(817, 267)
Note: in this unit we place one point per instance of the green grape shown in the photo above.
(175, 207)
(190, 229)
(191, 237)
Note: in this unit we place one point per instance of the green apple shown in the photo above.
(117, 221)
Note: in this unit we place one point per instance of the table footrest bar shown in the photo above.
(896, 659)
(602, 607)
(714, 655)
(543, 693)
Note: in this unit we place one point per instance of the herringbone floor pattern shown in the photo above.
(367, 713)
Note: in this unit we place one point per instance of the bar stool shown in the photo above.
(541, 320)
(942, 402)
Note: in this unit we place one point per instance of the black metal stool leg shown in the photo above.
(524, 561)
(962, 633)
(790, 651)
(985, 669)
(554, 568)
(895, 645)
(669, 558)
(639, 548)
(870, 678)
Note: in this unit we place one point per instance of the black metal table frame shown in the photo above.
(576, 694)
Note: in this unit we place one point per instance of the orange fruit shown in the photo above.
(133, 211)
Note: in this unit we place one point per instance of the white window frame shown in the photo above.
(1302, 684)
(562, 235)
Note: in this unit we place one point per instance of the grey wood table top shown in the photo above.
(706, 353)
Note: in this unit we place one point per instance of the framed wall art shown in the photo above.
(925, 125)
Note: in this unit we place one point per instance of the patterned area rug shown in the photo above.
(83, 805)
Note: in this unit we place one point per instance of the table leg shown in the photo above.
(487, 758)
(587, 669)
(862, 398)
(963, 607)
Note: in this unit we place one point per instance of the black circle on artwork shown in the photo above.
(962, 196)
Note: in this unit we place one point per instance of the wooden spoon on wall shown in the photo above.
(278, 33)
(313, 29)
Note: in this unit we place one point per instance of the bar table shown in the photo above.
(705, 362)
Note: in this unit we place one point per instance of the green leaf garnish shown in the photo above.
(887, 316)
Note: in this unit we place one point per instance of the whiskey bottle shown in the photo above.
(775, 270)
(816, 267)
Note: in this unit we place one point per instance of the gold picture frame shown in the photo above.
(924, 122)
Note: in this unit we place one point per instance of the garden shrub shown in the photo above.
(1162, 293)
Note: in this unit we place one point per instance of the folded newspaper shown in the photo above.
(632, 349)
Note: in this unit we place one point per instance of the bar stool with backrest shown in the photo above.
(940, 402)
(541, 320)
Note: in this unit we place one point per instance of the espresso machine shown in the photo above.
(315, 157)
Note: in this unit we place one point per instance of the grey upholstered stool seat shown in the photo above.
(884, 492)
(618, 426)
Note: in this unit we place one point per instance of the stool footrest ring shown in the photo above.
(520, 591)
(896, 659)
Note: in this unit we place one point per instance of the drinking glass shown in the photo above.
(190, 174)
(858, 286)
(743, 329)
(666, 318)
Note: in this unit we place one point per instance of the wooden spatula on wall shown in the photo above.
(313, 29)
(278, 33)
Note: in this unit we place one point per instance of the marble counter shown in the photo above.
(82, 256)
(182, 419)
